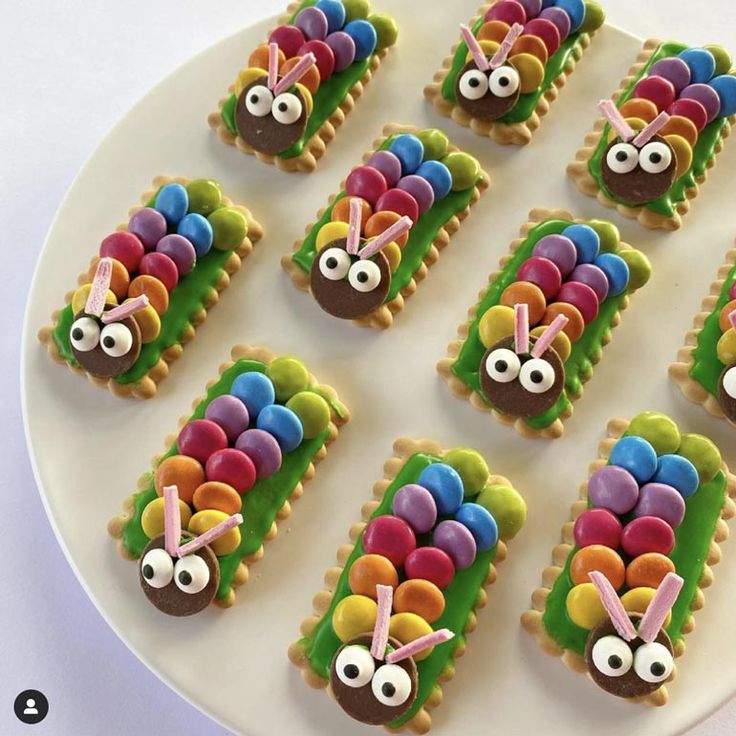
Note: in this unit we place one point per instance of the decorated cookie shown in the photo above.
(651, 148)
(541, 324)
(212, 500)
(633, 562)
(151, 284)
(381, 232)
(502, 76)
(412, 578)
(298, 86)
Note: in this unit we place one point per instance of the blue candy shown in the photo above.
(637, 456)
(364, 36)
(255, 390)
(334, 11)
(586, 241)
(172, 202)
(480, 524)
(702, 64)
(438, 176)
(445, 485)
(410, 152)
(283, 424)
(548, 3)
(725, 86)
(575, 9)
(677, 471)
(616, 270)
(197, 229)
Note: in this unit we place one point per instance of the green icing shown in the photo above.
(709, 139)
(578, 366)
(460, 598)
(421, 236)
(260, 504)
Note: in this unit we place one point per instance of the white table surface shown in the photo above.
(70, 70)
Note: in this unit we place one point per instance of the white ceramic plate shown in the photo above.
(88, 447)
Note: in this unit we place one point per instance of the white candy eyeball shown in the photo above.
(503, 365)
(334, 264)
(354, 666)
(364, 275)
(258, 101)
(729, 382)
(157, 568)
(191, 574)
(537, 376)
(653, 662)
(85, 334)
(391, 685)
(116, 339)
(622, 158)
(286, 108)
(655, 157)
(473, 84)
(504, 81)
(612, 656)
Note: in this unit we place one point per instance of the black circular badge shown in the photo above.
(31, 706)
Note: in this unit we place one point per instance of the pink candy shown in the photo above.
(691, 109)
(580, 296)
(430, 563)
(366, 182)
(657, 89)
(124, 247)
(324, 55)
(547, 31)
(232, 467)
(161, 267)
(400, 202)
(647, 534)
(542, 272)
(508, 11)
(391, 537)
(201, 438)
(289, 39)
(597, 526)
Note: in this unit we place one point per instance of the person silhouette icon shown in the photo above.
(30, 709)
(31, 706)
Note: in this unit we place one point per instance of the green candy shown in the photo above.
(658, 429)
(702, 453)
(386, 30)
(722, 57)
(608, 233)
(464, 168)
(356, 9)
(640, 270)
(313, 412)
(506, 506)
(594, 17)
(470, 466)
(289, 376)
(435, 143)
(229, 227)
(204, 196)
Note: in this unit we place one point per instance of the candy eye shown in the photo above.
(729, 382)
(191, 574)
(391, 685)
(653, 662)
(473, 84)
(258, 101)
(157, 568)
(655, 157)
(334, 264)
(622, 158)
(364, 276)
(116, 339)
(503, 365)
(612, 656)
(354, 666)
(537, 376)
(286, 108)
(85, 334)
(504, 81)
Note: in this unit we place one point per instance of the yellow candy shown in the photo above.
(329, 232)
(408, 626)
(307, 95)
(561, 343)
(149, 322)
(203, 521)
(636, 123)
(637, 600)
(495, 324)
(354, 615)
(726, 348)
(584, 606)
(152, 518)
(393, 255)
(245, 77)
(489, 48)
(531, 71)
(80, 298)
(683, 152)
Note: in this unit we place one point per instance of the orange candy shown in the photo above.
(493, 30)
(525, 292)
(380, 221)
(530, 45)
(259, 58)
(601, 558)
(179, 470)
(120, 280)
(216, 495)
(341, 210)
(682, 126)
(638, 107)
(421, 597)
(723, 321)
(576, 325)
(156, 292)
(310, 80)
(648, 570)
(371, 570)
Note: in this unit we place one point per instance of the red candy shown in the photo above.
(430, 563)
(288, 38)
(597, 526)
(581, 296)
(366, 182)
(200, 439)
(325, 57)
(233, 467)
(161, 267)
(547, 31)
(508, 11)
(657, 89)
(124, 247)
(542, 272)
(400, 202)
(690, 109)
(391, 537)
(648, 534)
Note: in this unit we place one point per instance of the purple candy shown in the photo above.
(149, 225)
(732, 291)
(262, 448)
(180, 250)
(706, 96)
(590, 275)
(230, 413)
(456, 540)
(420, 189)
(560, 250)
(674, 69)
(416, 506)
(560, 18)
(312, 22)
(343, 47)
(532, 7)
(388, 164)
(614, 488)
(662, 500)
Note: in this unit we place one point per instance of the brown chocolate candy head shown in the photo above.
(368, 689)
(347, 286)
(727, 392)
(270, 125)
(628, 669)
(636, 176)
(105, 350)
(487, 95)
(179, 586)
(519, 385)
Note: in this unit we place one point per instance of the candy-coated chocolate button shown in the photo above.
(391, 537)
(409, 150)
(313, 412)
(591, 275)
(678, 472)
(637, 600)
(576, 9)
(724, 322)
(495, 324)
(335, 230)
(638, 107)
(581, 296)
(229, 227)
(561, 343)
(658, 429)
(148, 322)
(648, 570)
(400, 202)
(149, 225)
(80, 296)
(184, 472)
(158, 296)
(197, 230)
(692, 110)
(325, 57)
(657, 89)
(576, 324)
(524, 292)
(152, 517)
(531, 71)
(532, 7)
(547, 31)
(289, 376)
(493, 30)
(542, 272)
(464, 169)
(180, 250)
(725, 87)
(200, 438)
(172, 201)
(726, 347)
(445, 485)
(420, 190)
(586, 241)
(230, 413)
(560, 18)
(283, 424)
(614, 488)
(706, 96)
(368, 571)
(335, 13)
(389, 165)
(312, 22)
(366, 182)
(455, 539)
(647, 534)
(663, 501)
(597, 557)
(701, 451)
(597, 526)
(438, 177)
(204, 196)
(616, 271)
(480, 523)
(219, 496)
(584, 606)
(416, 506)
(470, 466)
(406, 627)
(343, 49)
(125, 247)
(702, 64)
(258, 58)
(365, 37)
(205, 520)
(380, 221)
(430, 563)
(506, 506)
(421, 597)
(233, 467)
(288, 38)
(354, 615)
(435, 143)
(674, 69)
(161, 267)
(341, 210)
(637, 456)
(507, 11)
(255, 390)
(263, 449)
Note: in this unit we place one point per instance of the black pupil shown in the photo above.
(283, 106)
(501, 366)
(536, 376)
(504, 81)
(614, 661)
(622, 156)
(474, 82)
(109, 342)
(77, 333)
(657, 669)
(362, 277)
(147, 572)
(331, 262)
(388, 689)
(655, 157)
(254, 98)
(185, 577)
(351, 671)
